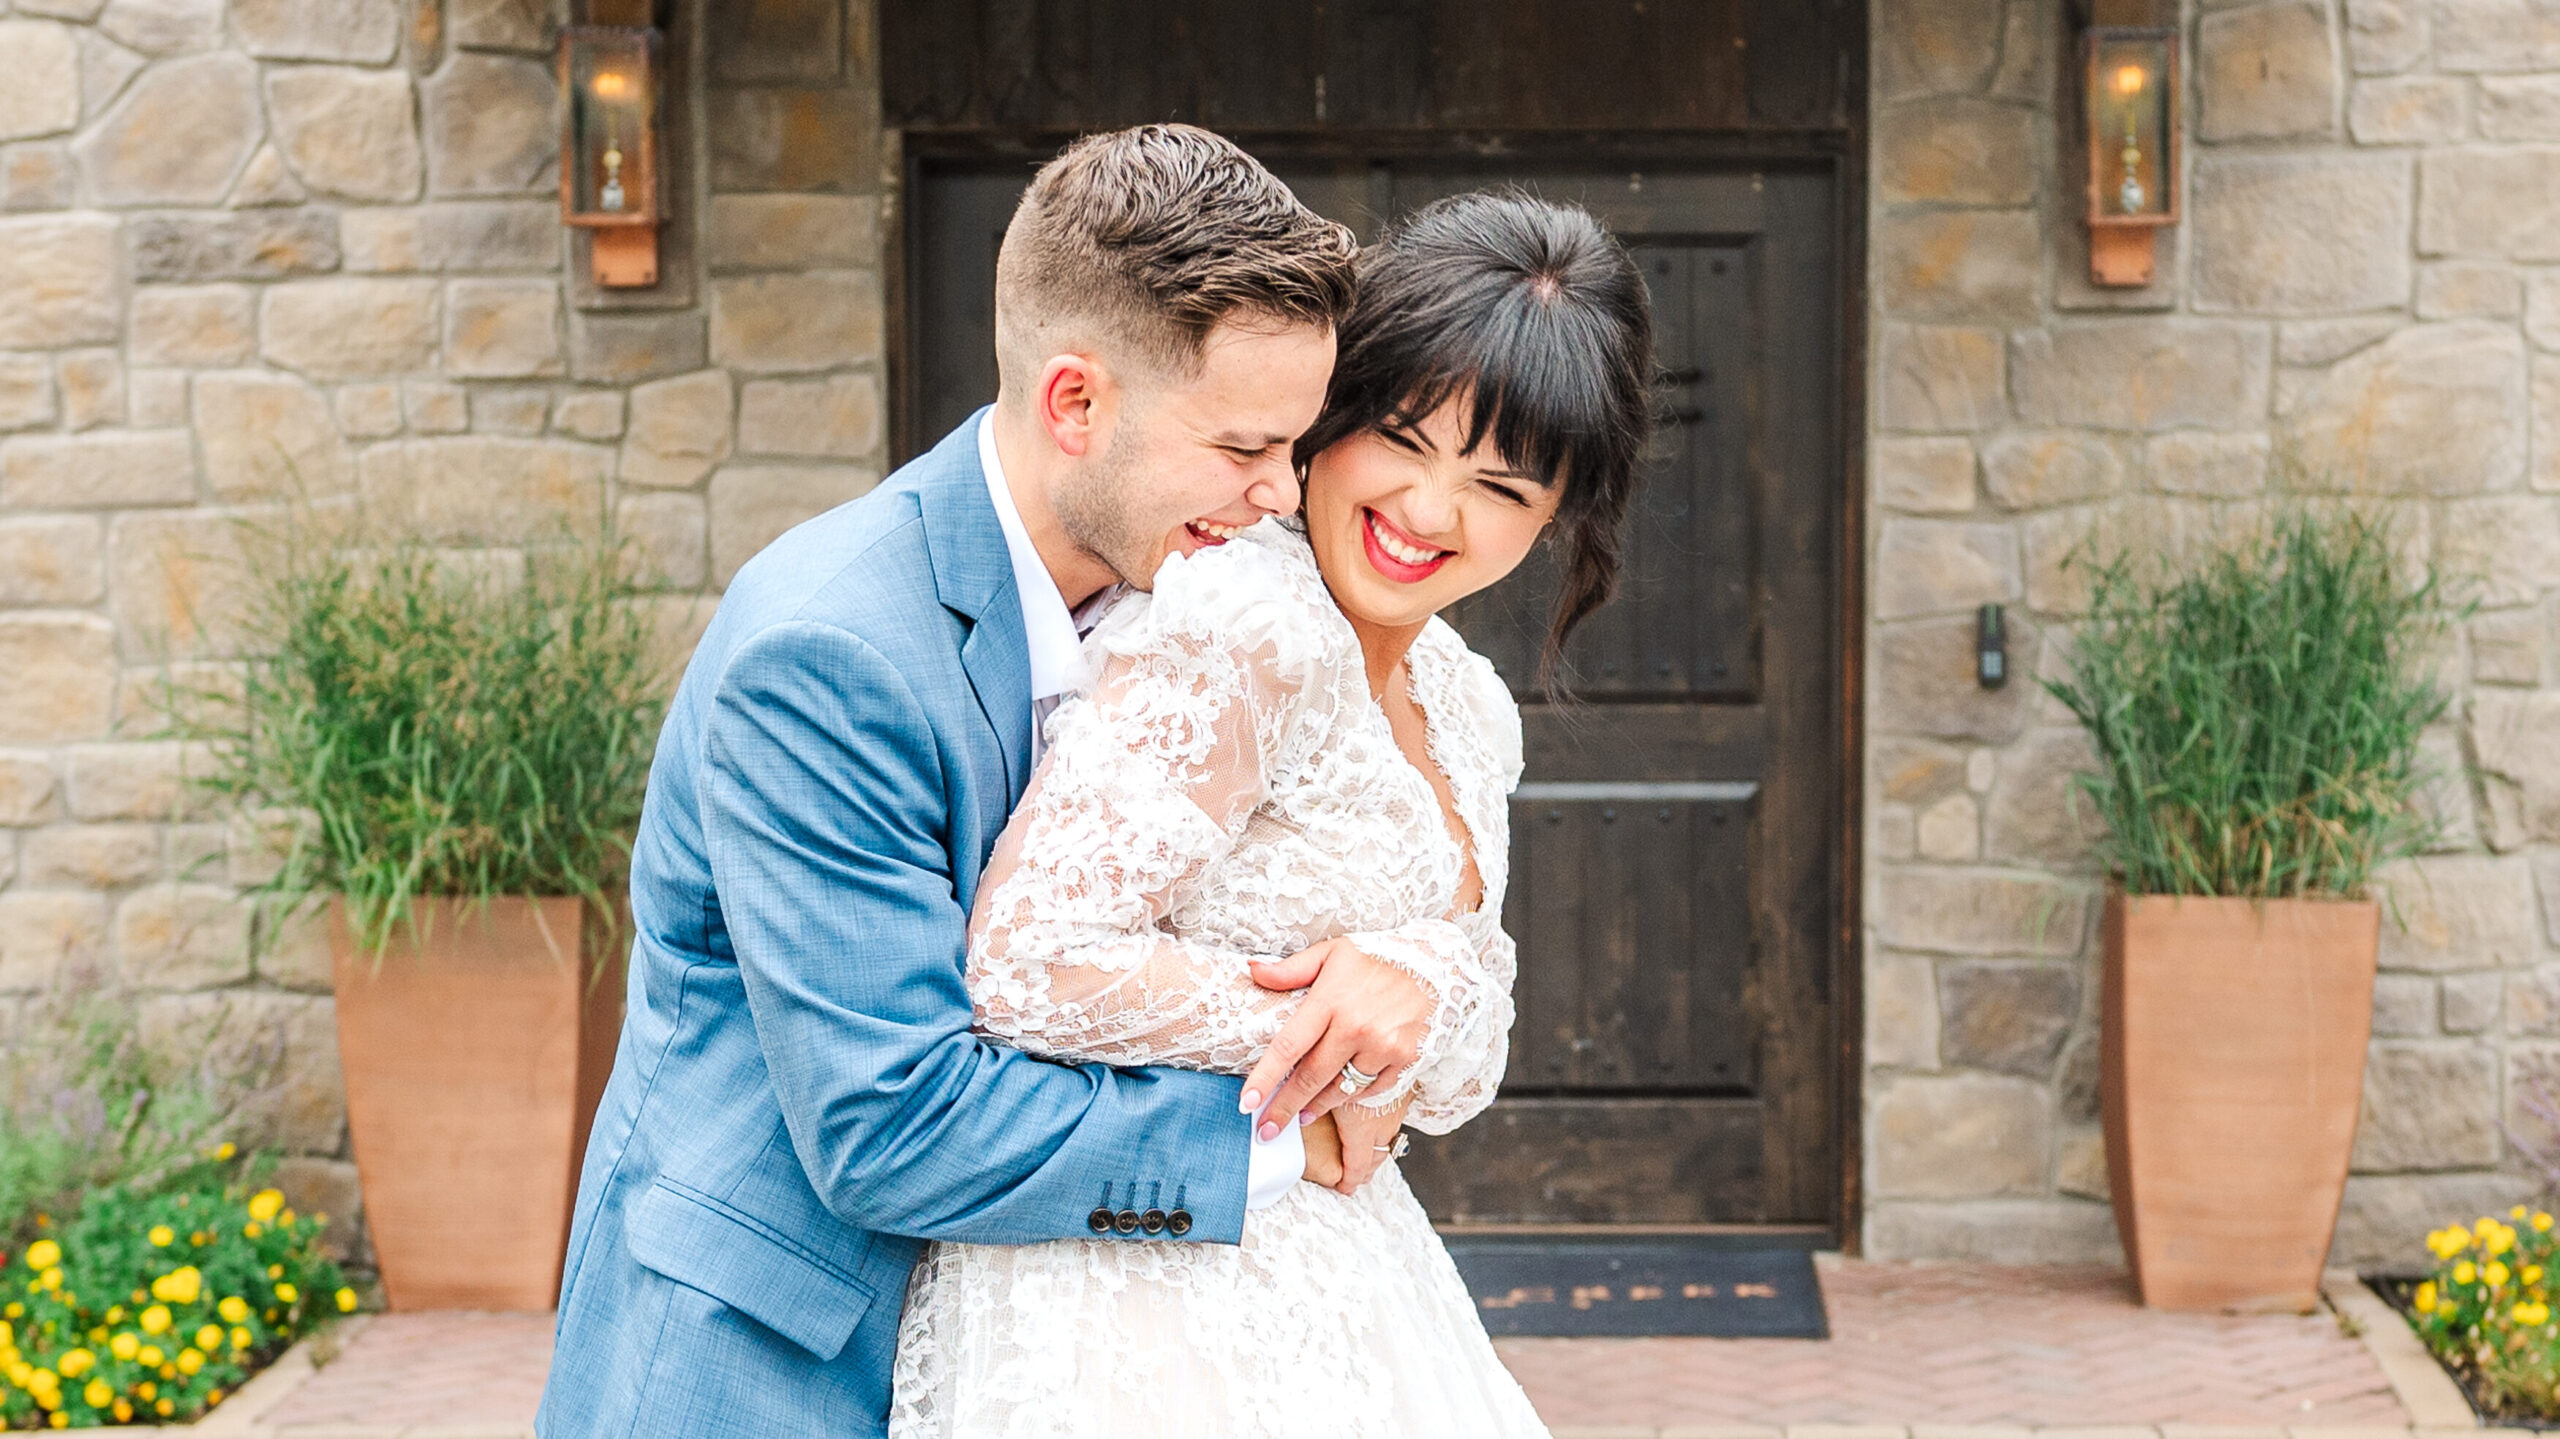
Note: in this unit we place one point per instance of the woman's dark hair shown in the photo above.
(1537, 317)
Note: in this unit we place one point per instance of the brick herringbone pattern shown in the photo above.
(1950, 1344)
(447, 1370)
(1911, 1345)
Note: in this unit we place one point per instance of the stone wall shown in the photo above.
(2367, 290)
(250, 244)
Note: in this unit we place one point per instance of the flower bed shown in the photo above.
(2485, 1311)
(149, 1306)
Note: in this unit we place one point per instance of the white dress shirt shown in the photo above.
(1056, 640)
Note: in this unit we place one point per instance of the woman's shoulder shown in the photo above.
(1481, 695)
(1260, 591)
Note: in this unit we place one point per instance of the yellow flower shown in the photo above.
(252, 1229)
(179, 1286)
(189, 1361)
(57, 1419)
(124, 1346)
(287, 1219)
(2541, 1222)
(2496, 1274)
(2424, 1299)
(146, 1389)
(2463, 1273)
(346, 1301)
(40, 1380)
(2530, 1274)
(43, 1255)
(51, 1278)
(264, 1204)
(155, 1320)
(76, 1363)
(164, 1408)
(2501, 1241)
(2516, 1213)
(275, 1271)
(287, 1293)
(162, 1236)
(225, 1150)
(124, 1411)
(212, 1397)
(233, 1309)
(209, 1337)
(100, 1394)
(239, 1338)
(151, 1358)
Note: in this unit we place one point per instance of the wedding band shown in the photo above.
(1353, 1081)
(1396, 1150)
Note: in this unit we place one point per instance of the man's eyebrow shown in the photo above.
(1239, 440)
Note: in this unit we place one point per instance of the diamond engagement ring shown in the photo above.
(1353, 1081)
(1396, 1150)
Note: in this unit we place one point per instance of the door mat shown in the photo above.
(1576, 1287)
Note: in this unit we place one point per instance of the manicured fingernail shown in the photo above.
(1305, 1119)
(1252, 1101)
(1269, 1131)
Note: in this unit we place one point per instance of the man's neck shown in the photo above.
(1032, 470)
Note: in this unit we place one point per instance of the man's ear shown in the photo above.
(1076, 403)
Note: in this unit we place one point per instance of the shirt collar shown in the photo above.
(1057, 655)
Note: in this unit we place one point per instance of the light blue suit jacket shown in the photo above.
(797, 1101)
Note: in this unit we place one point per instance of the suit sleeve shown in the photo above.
(824, 810)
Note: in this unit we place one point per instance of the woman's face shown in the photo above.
(1405, 524)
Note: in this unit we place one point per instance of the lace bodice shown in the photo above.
(1228, 789)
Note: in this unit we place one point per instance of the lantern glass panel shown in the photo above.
(610, 156)
(2131, 92)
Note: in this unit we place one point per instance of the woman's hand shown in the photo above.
(1367, 1137)
(1358, 1010)
(1324, 1153)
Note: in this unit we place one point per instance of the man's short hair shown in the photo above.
(1140, 241)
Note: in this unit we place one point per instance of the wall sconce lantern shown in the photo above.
(609, 148)
(2131, 102)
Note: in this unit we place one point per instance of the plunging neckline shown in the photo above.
(1453, 815)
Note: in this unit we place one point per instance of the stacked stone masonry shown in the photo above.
(2365, 294)
(250, 247)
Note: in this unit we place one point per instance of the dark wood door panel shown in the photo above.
(1632, 900)
(1596, 1161)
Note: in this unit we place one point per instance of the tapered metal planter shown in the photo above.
(2234, 1044)
(474, 1061)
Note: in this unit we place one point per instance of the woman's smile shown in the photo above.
(1397, 555)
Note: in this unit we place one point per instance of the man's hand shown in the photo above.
(1324, 1154)
(1366, 1136)
(1358, 1010)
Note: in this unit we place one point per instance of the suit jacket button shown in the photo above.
(1126, 1221)
(1152, 1221)
(1178, 1223)
(1099, 1221)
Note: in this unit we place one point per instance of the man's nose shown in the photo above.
(1274, 490)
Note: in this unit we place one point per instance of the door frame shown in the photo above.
(909, 152)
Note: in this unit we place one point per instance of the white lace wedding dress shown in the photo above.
(1230, 789)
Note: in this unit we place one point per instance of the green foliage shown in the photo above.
(434, 729)
(85, 1105)
(153, 1303)
(2256, 719)
(2485, 1309)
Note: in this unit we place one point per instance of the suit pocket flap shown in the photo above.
(703, 1244)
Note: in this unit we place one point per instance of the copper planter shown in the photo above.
(473, 1065)
(2234, 1043)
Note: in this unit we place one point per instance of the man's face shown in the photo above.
(1191, 461)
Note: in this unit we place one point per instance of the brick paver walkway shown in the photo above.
(1912, 1344)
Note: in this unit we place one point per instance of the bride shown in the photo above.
(1282, 745)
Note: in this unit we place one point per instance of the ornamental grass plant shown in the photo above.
(423, 723)
(2256, 716)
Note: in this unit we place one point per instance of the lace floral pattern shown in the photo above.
(1229, 790)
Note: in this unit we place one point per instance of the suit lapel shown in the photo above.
(973, 576)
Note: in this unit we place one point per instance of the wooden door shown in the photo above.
(1675, 870)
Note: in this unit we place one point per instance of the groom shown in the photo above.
(798, 1103)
